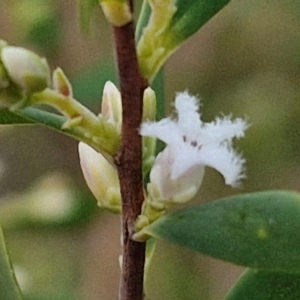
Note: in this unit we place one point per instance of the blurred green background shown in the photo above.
(245, 61)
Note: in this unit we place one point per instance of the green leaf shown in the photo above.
(259, 230)
(168, 25)
(265, 285)
(9, 289)
(86, 8)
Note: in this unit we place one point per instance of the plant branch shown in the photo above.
(129, 161)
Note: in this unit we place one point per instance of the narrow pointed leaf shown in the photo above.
(259, 230)
(42, 117)
(266, 285)
(31, 116)
(52, 121)
(9, 289)
(191, 15)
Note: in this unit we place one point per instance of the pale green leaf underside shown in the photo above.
(258, 230)
(265, 285)
(9, 289)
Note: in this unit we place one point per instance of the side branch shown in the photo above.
(129, 161)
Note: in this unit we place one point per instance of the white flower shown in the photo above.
(190, 146)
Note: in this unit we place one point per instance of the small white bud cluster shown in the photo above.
(99, 172)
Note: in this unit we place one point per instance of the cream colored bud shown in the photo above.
(116, 12)
(111, 106)
(149, 143)
(27, 70)
(101, 178)
(149, 110)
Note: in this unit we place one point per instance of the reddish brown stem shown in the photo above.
(129, 161)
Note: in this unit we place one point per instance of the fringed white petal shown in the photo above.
(222, 130)
(165, 130)
(187, 109)
(226, 161)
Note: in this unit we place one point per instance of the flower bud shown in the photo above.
(26, 70)
(149, 143)
(61, 83)
(111, 107)
(149, 109)
(117, 12)
(101, 178)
